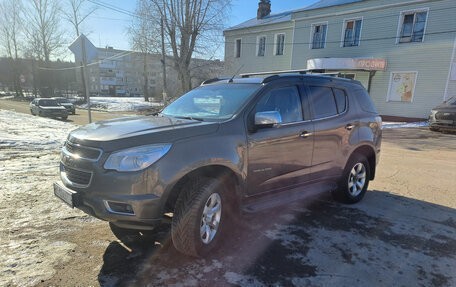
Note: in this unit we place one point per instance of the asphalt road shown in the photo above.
(80, 118)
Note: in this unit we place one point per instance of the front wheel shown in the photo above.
(200, 218)
(64, 118)
(354, 181)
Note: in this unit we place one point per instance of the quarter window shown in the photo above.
(412, 29)
(352, 33)
(319, 36)
(280, 42)
(323, 102)
(341, 100)
(284, 100)
(261, 46)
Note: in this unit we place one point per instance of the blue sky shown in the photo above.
(107, 27)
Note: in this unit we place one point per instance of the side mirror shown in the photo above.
(267, 119)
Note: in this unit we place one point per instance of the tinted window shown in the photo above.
(284, 100)
(365, 101)
(323, 103)
(341, 100)
(48, 103)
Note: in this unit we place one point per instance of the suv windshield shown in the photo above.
(218, 102)
(62, 101)
(48, 103)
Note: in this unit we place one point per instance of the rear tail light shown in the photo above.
(378, 119)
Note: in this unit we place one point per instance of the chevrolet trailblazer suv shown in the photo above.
(228, 147)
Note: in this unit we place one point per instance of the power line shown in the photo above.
(341, 41)
(120, 55)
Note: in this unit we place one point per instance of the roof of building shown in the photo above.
(286, 15)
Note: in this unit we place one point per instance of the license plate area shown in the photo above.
(67, 196)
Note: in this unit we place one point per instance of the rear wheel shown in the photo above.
(355, 180)
(64, 118)
(200, 218)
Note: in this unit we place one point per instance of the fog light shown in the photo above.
(117, 207)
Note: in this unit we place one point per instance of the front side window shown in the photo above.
(280, 42)
(212, 102)
(286, 101)
(319, 36)
(352, 33)
(237, 48)
(261, 46)
(412, 29)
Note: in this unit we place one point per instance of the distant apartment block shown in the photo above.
(123, 73)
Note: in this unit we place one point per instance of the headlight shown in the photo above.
(137, 158)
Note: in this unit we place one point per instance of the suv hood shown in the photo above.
(126, 132)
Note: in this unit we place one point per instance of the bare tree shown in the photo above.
(144, 39)
(43, 29)
(11, 33)
(190, 26)
(75, 15)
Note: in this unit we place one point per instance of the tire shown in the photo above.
(356, 171)
(73, 112)
(64, 118)
(40, 114)
(191, 216)
(32, 113)
(433, 129)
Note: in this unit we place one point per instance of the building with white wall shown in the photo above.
(402, 51)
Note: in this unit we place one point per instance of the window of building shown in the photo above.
(319, 35)
(352, 32)
(323, 102)
(286, 101)
(261, 45)
(279, 44)
(412, 26)
(237, 48)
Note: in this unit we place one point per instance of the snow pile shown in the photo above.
(392, 125)
(118, 104)
(22, 131)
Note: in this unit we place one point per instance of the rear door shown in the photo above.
(333, 126)
(280, 156)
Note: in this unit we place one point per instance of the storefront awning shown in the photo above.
(361, 64)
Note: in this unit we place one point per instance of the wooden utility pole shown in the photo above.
(163, 61)
(84, 61)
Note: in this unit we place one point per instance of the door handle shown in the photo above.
(349, 127)
(305, 134)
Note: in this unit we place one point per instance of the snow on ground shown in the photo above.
(117, 104)
(29, 157)
(392, 125)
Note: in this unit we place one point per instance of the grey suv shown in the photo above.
(228, 147)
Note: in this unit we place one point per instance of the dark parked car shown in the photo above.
(67, 104)
(225, 148)
(48, 108)
(443, 117)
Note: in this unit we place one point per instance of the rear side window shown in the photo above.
(284, 100)
(323, 102)
(364, 101)
(341, 100)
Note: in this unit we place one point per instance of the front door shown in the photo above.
(280, 156)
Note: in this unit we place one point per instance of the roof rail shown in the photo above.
(213, 80)
(247, 75)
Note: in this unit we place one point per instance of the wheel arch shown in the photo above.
(369, 152)
(230, 179)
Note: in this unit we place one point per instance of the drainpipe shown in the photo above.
(371, 75)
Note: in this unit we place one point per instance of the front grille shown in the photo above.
(82, 151)
(77, 176)
(445, 116)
